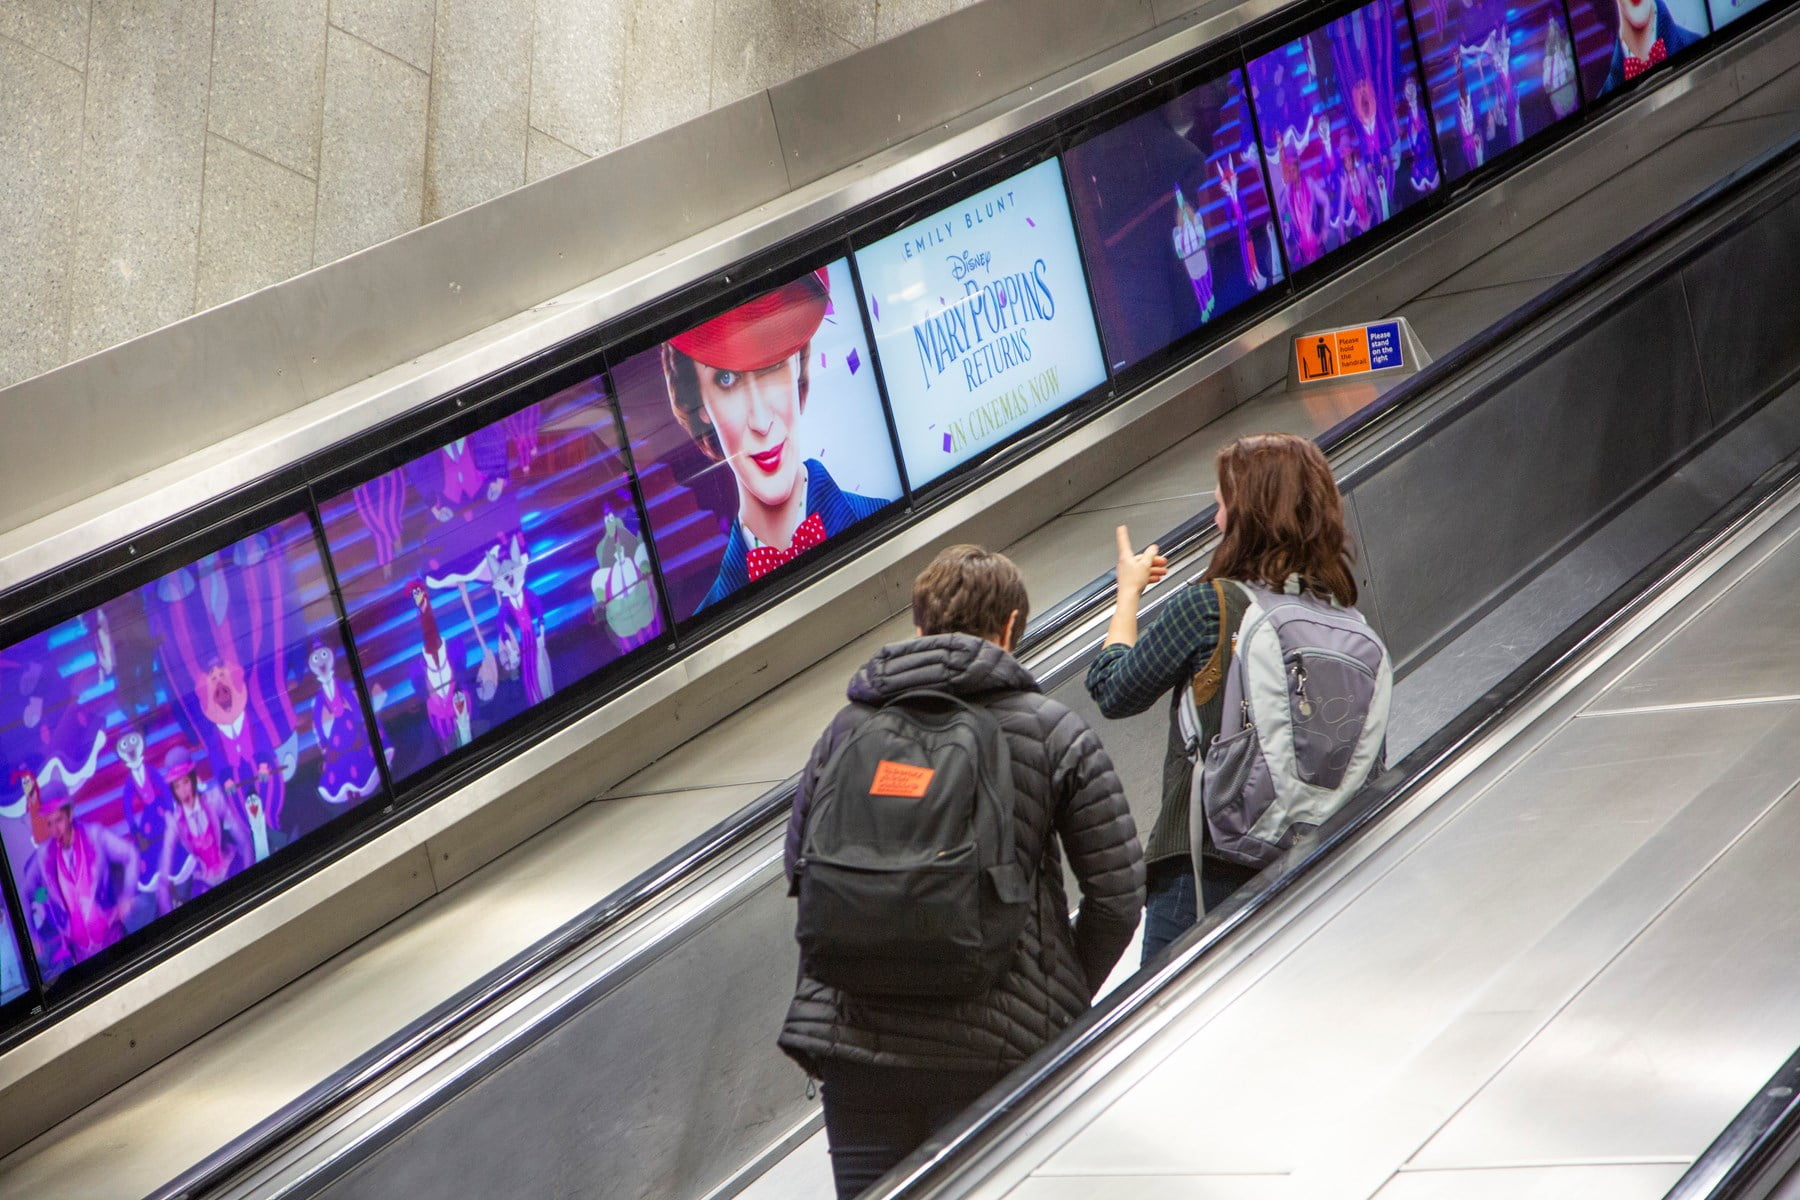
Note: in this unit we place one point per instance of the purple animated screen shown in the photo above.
(1497, 73)
(1616, 41)
(164, 741)
(12, 968)
(482, 576)
(1174, 218)
(757, 435)
(1344, 128)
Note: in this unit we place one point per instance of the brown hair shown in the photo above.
(682, 374)
(968, 589)
(1283, 516)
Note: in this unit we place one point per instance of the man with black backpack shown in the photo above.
(935, 944)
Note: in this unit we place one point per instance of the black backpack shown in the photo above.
(909, 878)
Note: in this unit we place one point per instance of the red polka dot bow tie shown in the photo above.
(1635, 66)
(764, 559)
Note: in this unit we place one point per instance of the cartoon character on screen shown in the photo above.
(522, 435)
(1190, 247)
(348, 772)
(447, 706)
(238, 746)
(1647, 35)
(1357, 204)
(224, 630)
(37, 774)
(1299, 194)
(624, 596)
(738, 384)
(1362, 55)
(1474, 150)
(84, 878)
(204, 825)
(1424, 175)
(381, 503)
(461, 476)
(1228, 183)
(521, 647)
(148, 805)
(1559, 69)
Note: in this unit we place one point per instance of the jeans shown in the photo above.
(1169, 908)
(876, 1116)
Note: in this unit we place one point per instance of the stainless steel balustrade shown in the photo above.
(647, 1060)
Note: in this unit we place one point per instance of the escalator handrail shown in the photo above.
(1746, 1160)
(1135, 999)
(756, 819)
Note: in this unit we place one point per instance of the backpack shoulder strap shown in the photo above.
(1209, 684)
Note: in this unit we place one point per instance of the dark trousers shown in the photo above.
(876, 1116)
(1169, 908)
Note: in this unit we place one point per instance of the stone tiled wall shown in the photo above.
(158, 157)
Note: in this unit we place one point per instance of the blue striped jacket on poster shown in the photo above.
(838, 509)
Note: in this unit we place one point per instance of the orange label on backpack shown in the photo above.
(898, 779)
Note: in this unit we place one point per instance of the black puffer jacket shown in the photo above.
(1063, 783)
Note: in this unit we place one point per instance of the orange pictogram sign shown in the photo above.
(1350, 351)
(899, 779)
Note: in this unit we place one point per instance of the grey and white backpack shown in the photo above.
(1301, 722)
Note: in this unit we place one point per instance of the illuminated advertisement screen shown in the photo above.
(1174, 217)
(1724, 12)
(981, 320)
(483, 575)
(757, 436)
(162, 742)
(1616, 41)
(12, 968)
(1497, 73)
(1345, 131)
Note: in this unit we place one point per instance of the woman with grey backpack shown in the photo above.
(1278, 687)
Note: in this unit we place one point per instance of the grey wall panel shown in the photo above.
(1742, 297)
(1551, 452)
(664, 1087)
(464, 273)
(832, 117)
(111, 417)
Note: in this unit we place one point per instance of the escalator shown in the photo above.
(634, 1019)
(1551, 951)
(631, 1051)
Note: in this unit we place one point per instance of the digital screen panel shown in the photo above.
(1616, 41)
(1346, 134)
(757, 436)
(157, 745)
(1497, 72)
(1724, 12)
(981, 320)
(12, 967)
(1174, 218)
(486, 574)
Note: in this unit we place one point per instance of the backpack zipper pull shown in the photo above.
(1299, 685)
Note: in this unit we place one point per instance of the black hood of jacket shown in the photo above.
(958, 663)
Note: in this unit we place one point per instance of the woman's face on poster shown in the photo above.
(754, 415)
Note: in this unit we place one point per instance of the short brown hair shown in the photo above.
(969, 589)
(1283, 516)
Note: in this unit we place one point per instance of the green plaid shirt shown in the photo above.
(1126, 680)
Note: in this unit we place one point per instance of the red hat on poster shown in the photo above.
(761, 332)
